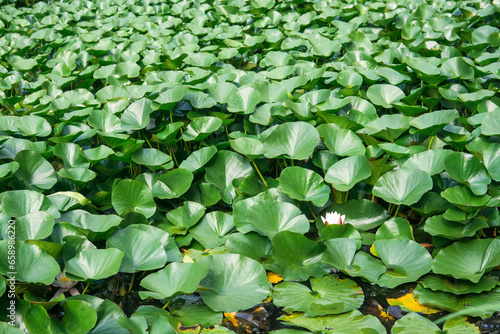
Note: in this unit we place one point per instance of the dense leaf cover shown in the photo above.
(178, 156)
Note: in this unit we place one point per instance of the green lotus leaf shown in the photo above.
(104, 121)
(470, 259)
(491, 160)
(22, 64)
(464, 198)
(97, 154)
(137, 115)
(18, 203)
(406, 261)
(170, 131)
(397, 151)
(439, 226)
(199, 158)
(175, 278)
(403, 186)
(431, 161)
(211, 230)
(34, 226)
(467, 169)
(269, 217)
(222, 91)
(77, 174)
(458, 287)
(491, 124)
(431, 123)
(297, 256)
(395, 228)
(351, 322)
(271, 92)
(477, 305)
(34, 171)
(341, 254)
(150, 157)
(169, 98)
(295, 140)
(304, 185)
(384, 95)
(71, 155)
(340, 141)
(244, 100)
(131, 195)
(344, 174)
(8, 169)
(392, 76)
(327, 295)
(333, 231)
(187, 215)
(233, 282)
(94, 264)
(97, 223)
(249, 147)
(173, 184)
(457, 67)
(37, 320)
(388, 127)
(223, 169)
(413, 322)
(33, 126)
(362, 214)
(200, 59)
(251, 245)
(33, 264)
(201, 127)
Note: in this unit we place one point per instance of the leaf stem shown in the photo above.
(84, 290)
(165, 306)
(258, 171)
(397, 210)
(310, 209)
(131, 283)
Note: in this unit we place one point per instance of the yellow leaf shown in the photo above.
(374, 251)
(408, 303)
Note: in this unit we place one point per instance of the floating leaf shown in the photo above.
(304, 185)
(295, 140)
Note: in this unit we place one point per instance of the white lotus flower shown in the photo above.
(64, 284)
(333, 218)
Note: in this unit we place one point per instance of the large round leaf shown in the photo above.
(295, 140)
(327, 295)
(35, 171)
(173, 279)
(344, 174)
(403, 186)
(467, 169)
(304, 185)
(297, 256)
(187, 215)
(201, 127)
(173, 184)
(270, 217)
(233, 282)
(94, 264)
(131, 195)
(18, 203)
(384, 95)
(211, 230)
(468, 259)
(406, 261)
(340, 141)
(136, 116)
(142, 250)
(31, 264)
(225, 167)
(431, 161)
(244, 100)
(199, 158)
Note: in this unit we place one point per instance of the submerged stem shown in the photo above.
(131, 283)
(258, 171)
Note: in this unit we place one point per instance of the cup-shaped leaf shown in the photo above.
(344, 174)
(431, 161)
(142, 250)
(18, 203)
(244, 100)
(94, 264)
(384, 95)
(431, 123)
(201, 127)
(97, 223)
(33, 264)
(340, 141)
(169, 98)
(406, 261)
(211, 230)
(33, 226)
(173, 184)
(233, 282)
(33, 125)
(249, 147)
(403, 186)
(173, 279)
(304, 185)
(327, 295)
(198, 159)
(131, 195)
(464, 198)
(388, 127)
(491, 157)
(458, 287)
(71, 155)
(467, 169)
(136, 116)
(440, 227)
(150, 157)
(395, 228)
(293, 140)
(270, 217)
(186, 215)
(34, 171)
(297, 256)
(468, 259)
